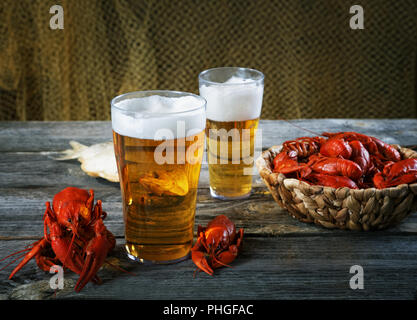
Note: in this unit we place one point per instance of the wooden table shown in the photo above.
(282, 258)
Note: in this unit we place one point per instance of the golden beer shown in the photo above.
(227, 177)
(158, 173)
(158, 200)
(234, 103)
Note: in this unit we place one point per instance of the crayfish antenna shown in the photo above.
(222, 263)
(69, 249)
(15, 253)
(299, 127)
(195, 272)
(120, 269)
(13, 261)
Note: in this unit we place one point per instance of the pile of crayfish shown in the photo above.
(345, 159)
(217, 245)
(74, 236)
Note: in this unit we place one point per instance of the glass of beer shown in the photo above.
(234, 103)
(159, 143)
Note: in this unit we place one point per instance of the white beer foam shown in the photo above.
(158, 117)
(229, 102)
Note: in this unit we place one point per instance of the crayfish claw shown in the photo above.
(226, 257)
(90, 268)
(201, 262)
(96, 253)
(92, 264)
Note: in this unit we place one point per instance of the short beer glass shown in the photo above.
(159, 143)
(234, 103)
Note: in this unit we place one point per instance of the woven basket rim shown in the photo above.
(264, 165)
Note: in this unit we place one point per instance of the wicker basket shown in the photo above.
(343, 208)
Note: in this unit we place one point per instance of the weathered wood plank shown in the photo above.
(27, 170)
(267, 268)
(21, 214)
(282, 258)
(27, 180)
(54, 136)
(22, 209)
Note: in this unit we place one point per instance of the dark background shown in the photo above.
(315, 66)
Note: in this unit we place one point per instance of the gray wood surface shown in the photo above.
(282, 258)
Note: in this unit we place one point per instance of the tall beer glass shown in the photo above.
(159, 143)
(234, 103)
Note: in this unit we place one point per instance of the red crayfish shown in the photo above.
(395, 173)
(345, 159)
(77, 238)
(217, 245)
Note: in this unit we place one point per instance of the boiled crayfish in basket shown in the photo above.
(344, 159)
(74, 236)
